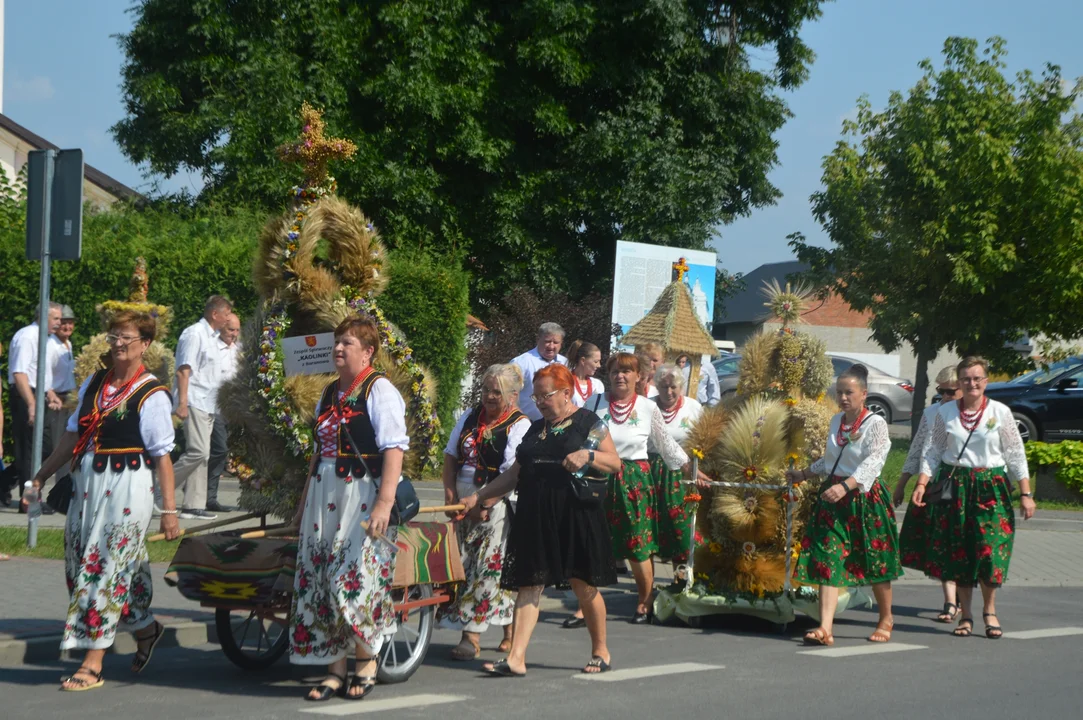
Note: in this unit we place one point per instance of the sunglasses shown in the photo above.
(946, 391)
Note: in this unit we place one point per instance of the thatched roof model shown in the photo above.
(673, 324)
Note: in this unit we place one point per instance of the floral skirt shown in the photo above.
(968, 538)
(852, 542)
(674, 524)
(630, 510)
(105, 555)
(342, 587)
(481, 601)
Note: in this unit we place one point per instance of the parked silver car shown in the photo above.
(890, 397)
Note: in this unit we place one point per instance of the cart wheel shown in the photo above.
(781, 628)
(247, 640)
(404, 652)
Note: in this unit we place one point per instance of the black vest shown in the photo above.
(360, 429)
(117, 441)
(490, 449)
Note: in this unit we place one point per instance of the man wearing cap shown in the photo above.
(63, 378)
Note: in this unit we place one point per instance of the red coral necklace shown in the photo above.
(620, 412)
(970, 419)
(845, 431)
(670, 415)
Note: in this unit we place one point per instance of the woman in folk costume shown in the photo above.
(584, 359)
(851, 538)
(481, 446)
(915, 530)
(679, 413)
(973, 452)
(637, 427)
(342, 588)
(120, 435)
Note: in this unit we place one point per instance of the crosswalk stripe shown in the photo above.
(371, 706)
(1046, 633)
(651, 671)
(870, 649)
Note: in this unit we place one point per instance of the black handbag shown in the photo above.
(942, 490)
(407, 504)
(591, 489)
(59, 497)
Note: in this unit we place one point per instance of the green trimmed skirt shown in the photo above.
(629, 508)
(852, 542)
(968, 538)
(674, 525)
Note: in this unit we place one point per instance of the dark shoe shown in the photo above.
(993, 632)
(145, 647)
(188, 514)
(213, 506)
(573, 622)
(965, 629)
(326, 692)
(641, 618)
(500, 668)
(5, 499)
(367, 683)
(596, 666)
(47, 509)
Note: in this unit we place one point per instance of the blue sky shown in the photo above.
(62, 81)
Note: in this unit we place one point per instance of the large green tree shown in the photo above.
(526, 136)
(956, 214)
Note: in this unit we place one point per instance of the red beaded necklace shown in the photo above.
(580, 392)
(845, 431)
(670, 415)
(970, 419)
(620, 412)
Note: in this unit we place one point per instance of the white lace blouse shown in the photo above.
(912, 465)
(995, 443)
(643, 432)
(681, 424)
(863, 458)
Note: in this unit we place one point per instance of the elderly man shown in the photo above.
(23, 378)
(63, 378)
(709, 393)
(547, 352)
(230, 350)
(195, 396)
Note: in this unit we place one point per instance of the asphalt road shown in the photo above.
(734, 668)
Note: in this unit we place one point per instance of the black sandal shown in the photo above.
(326, 692)
(500, 668)
(946, 615)
(573, 622)
(993, 632)
(142, 657)
(79, 684)
(366, 682)
(596, 662)
(964, 631)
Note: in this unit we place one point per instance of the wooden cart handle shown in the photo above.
(440, 508)
(208, 526)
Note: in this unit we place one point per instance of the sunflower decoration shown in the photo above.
(787, 304)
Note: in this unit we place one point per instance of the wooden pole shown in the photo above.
(208, 526)
(440, 508)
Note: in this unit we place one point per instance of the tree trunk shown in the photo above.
(921, 382)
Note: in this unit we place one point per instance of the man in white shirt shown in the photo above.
(231, 358)
(23, 379)
(196, 401)
(547, 352)
(63, 376)
(709, 392)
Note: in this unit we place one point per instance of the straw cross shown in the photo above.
(312, 150)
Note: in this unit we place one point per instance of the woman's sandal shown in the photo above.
(77, 684)
(946, 615)
(326, 692)
(460, 653)
(819, 636)
(993, 632)
(882, 634)
(500, 668)
(143, 655)
(596, 666)
(366, 682)
(965, 629)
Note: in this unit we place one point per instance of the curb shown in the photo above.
(46, 648)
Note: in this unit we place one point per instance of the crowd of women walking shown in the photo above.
(563, 478)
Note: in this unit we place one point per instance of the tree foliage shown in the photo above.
(726, 285)
(957, 212)
(527, 137)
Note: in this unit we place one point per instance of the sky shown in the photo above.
(62, 81)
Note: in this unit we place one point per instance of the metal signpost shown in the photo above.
(54, 230)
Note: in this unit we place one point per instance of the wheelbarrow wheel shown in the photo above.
(249, 641)
(404, 652)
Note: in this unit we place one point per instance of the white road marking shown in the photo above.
(1046, 633)
(370, 706)
(869, 649)
(651, 671)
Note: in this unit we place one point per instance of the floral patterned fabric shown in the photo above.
(481, 601)
(630, 510)
(674, 520)
(969, 538)
(105, 557)
(342, 587)
(852, 542)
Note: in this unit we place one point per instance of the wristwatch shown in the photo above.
(590, 456)
(1023, 495)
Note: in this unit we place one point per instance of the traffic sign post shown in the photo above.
(54, 229)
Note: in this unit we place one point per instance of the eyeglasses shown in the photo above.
(538, 398)
(946, 391)
(972, 380)
(121, 339)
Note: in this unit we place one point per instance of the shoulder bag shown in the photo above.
(942, 490)
(591, 489)
(406, 504)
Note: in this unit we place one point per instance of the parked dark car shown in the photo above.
(1047, 403)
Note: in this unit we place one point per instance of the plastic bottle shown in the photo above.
(33, 513)
(594, 439)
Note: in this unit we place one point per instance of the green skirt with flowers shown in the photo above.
(629, 508)
(674, 524)
(852, 542)
(970, 537)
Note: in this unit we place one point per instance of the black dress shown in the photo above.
(553, 536)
